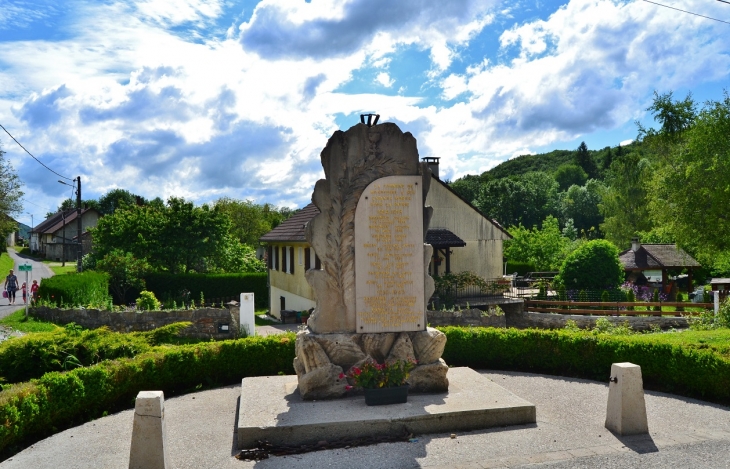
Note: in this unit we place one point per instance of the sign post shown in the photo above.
(27, 268)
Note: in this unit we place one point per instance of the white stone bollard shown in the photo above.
(626, 410)
(149, 446)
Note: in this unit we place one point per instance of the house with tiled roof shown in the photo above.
(462, 237)
(653, 261)
(56, 237)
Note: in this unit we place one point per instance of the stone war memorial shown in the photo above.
(374, 285)
(371, 295)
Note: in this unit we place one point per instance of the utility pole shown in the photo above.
(78, 224)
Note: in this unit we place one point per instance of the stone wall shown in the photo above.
(516, 316)
(206, 321)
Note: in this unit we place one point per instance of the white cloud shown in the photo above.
(126, 100)
(384, 79)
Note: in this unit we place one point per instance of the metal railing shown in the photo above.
(470, 294)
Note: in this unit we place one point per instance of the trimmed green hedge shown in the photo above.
(169, 286)
(33, 410)
(664, 367)
(520, 267)
(76, 289)
(33, 355)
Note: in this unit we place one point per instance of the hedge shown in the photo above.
(520, 267)
(33, 355)
(33, 410)
(76, 289)
(168, 287)
(664, 367)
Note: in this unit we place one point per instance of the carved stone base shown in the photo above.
(322, 357)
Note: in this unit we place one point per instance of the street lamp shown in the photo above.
(77, 188)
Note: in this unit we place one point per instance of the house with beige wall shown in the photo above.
(463, 240)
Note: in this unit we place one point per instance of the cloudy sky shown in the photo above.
(211, 98)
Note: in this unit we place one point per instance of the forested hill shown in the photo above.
(547, 162)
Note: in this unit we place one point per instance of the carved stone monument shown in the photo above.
(374, 284)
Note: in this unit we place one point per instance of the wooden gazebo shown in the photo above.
(642, 257)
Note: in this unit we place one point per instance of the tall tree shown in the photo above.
(607, 160)
(10, 196)
(250, 221)
(525, 200)
(116, 198)
(570, 174)
(584, 159)
(543, 248)
(624, 203)
(177, 237)
(468, 187)
(691, 184)
(580, 203)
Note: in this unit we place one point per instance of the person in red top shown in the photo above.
(34, 291)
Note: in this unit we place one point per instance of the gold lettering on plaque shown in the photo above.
(392, 302)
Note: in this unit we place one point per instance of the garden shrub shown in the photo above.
(169, 287)
(31, 411)
(692, 372)
(604, 296)
(593, 266)
(30, 356)
(88, 289)
(147, 301)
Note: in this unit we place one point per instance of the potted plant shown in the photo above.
(305, 316)
(382, 383)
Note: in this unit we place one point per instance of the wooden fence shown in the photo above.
(612, 308)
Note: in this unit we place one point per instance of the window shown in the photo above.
(301, 249)
(291, 260)
(307, 259)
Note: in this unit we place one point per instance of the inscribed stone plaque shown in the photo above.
(389, 256)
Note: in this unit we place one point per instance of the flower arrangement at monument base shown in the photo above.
(382, 383)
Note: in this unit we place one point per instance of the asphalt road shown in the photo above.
(39, 272)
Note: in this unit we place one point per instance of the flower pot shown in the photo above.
(386, 396)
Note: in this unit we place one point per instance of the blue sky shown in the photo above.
(210, 98)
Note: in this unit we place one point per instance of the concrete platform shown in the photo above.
(271, 409)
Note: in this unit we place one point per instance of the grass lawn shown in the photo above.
(6, 263)
(19, 322)
(58, 269)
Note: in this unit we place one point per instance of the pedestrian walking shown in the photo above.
(11, 286)
(24, 290)
(34, 292)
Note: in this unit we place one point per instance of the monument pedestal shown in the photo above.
(271, 409)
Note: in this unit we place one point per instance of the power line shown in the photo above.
(39, 206)
(685, 11)
(39, 161)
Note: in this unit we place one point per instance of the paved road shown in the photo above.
(684, 433)
(39, 272)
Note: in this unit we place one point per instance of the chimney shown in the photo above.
(635, 244)
(433, 164)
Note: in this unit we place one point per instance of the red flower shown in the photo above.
(357, 371)
(348, 387)
(342, 375)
